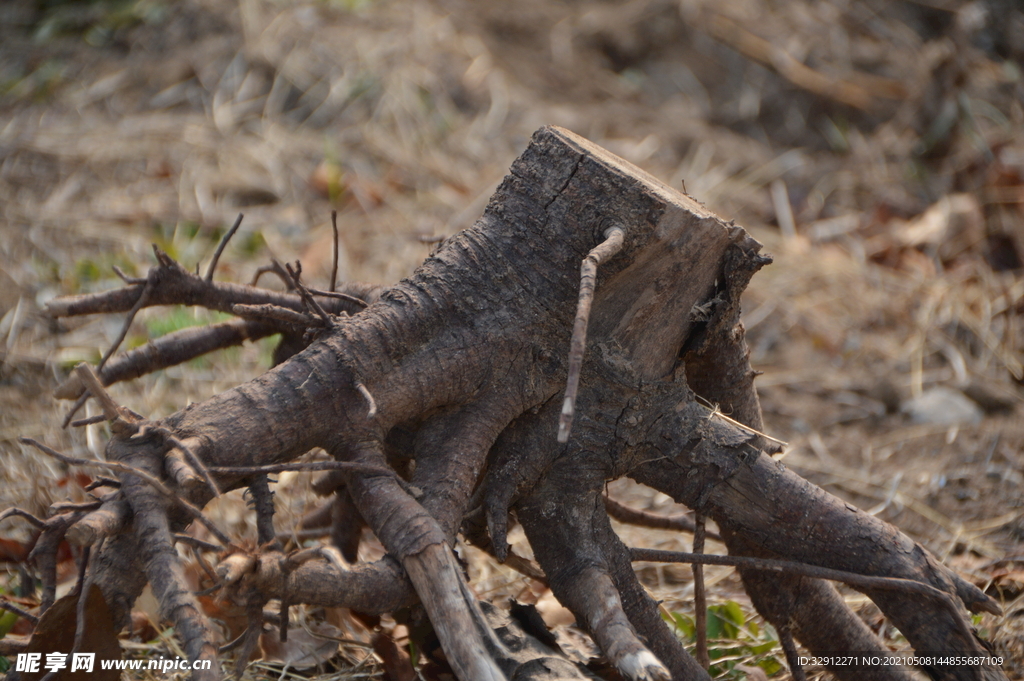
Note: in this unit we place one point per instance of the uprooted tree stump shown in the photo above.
(442, 402)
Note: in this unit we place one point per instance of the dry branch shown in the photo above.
(864, 582)
(632, 516)
(588, 280)
(700, 601)
(220, 248)
(841, 90)
(172, 284)
(172, 349)
(17, 610)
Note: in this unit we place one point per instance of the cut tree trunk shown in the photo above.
(462, 368)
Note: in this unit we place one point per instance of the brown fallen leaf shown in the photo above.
(12, 551)
(306, 647)
(55, 635)
(397, 665)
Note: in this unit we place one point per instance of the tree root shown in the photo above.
(458, 369)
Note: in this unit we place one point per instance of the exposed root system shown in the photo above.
(443, 404)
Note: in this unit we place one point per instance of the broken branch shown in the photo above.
(334, 261)
(147, 289)
(307, 298)
(17, 512)
(588, 281)
(700, 601)
(220, 248)
(632, 516)
(805, 570)
(20, 612)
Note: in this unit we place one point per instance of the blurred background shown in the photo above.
(875, 147)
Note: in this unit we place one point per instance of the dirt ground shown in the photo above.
(876, 148)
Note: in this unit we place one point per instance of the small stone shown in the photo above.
(942, 406)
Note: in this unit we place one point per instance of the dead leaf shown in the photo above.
(55, 634)
(306, 647)
(397, 665)
(12, 551)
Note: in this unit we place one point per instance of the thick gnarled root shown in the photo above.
(565, 530)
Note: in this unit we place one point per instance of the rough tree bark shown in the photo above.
(460, 370)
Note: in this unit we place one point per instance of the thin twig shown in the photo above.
(307, 298)
(74, 409)
(301, 535)
(82, 589)
(339, 296)
(73, 507)
(131, 281)
(17, 610)
(141, 474)
(209, 590)
(525, 566)
(173, 284)
(632, 516)
(139, 304)
(206, 566)
(372, 403)
(792, 69)
(197, 543)
(352, 466)
(334, 263)
(273, 268)
(283, 624)
(276, 313)
(169, 350)
(228, 647)
(717, 412)
(220, 248)
(588, 281)
(332, 554)
(92, 420)
(804, 570)
(102, 482)
(700, 599)
(263, 503)
(111, 410)
(295, 560)
(12, 512)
